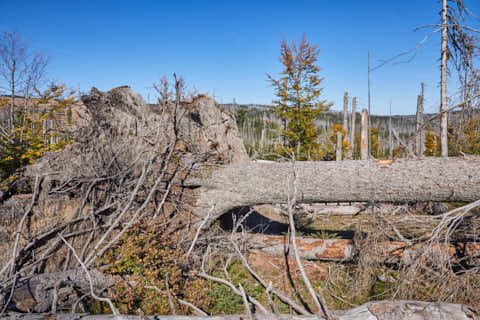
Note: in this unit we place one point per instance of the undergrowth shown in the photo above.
(143, 261)
(148, 256)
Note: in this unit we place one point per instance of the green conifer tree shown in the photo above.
(298, 101)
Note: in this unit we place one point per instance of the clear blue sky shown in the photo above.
(225, 48)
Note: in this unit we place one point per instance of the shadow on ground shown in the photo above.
(257, 223)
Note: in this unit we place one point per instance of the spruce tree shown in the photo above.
(298, 101)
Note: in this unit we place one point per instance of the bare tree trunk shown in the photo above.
(422, 119)
(369, 144)
(390, 137)
(443, 84)
(12, 97)
(345, 113)
(418, 138)
(352, 126)
(399, 180)
(364, 136)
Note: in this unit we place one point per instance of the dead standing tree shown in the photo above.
(458, 43)
(364, 135)
(352, 128)
(420, 140)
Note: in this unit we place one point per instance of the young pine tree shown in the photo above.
(298, 101)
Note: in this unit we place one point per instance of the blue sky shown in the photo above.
(225, 48)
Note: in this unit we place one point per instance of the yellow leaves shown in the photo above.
(298, 94)
(431, 145)
(37, 129)
(339, 128)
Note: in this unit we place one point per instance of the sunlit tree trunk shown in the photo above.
(443, 84)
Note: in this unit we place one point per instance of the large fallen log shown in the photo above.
(38, 292)
(345, 249)
(397, 180)
(384, 310)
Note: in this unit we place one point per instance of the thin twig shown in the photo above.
(197, 310)
(199, 229)
(235, 290)
(291, 202)
(170, 298)
(245, 302)
(280, 295)
(112, 307)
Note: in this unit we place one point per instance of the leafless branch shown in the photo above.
(319, 303)
(92, 292)
(198, 231)
(245, 303)
(280, 295)
(170, 298)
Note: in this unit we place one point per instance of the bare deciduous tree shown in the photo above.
(21, 72)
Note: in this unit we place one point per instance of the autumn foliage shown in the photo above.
(31, 135)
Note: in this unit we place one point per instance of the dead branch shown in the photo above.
(319, 300)
(92, 291)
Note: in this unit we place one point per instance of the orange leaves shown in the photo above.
(37, 128)
(146, 257)
(298, 91)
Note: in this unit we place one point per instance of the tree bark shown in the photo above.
(339, 147)
(396, 180)
(385, 310)
(36, 293)
(345, 249)
(352, 127)
(443, 84)
(390, 138)
(345, 113)
(418, 138)
(364, 136)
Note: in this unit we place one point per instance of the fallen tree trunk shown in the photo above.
(385, 310)
(37, 293)
(397, 180)
(345, 249)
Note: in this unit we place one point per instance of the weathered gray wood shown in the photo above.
(407, 146)
(345, 112)
(339, 146)
(443, 83)
(364, 136)
(352, 127)
(36, 293)
(419, 139)
(336, 210)
(380, 310)
(345, 249)
(390, 138)
(396, 180)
